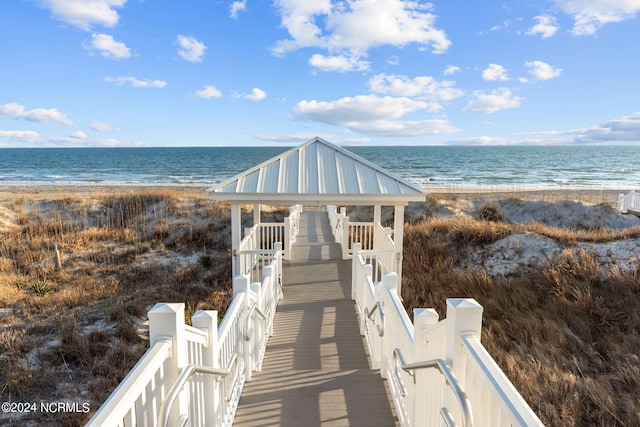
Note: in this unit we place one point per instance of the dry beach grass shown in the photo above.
(80, 268)
(566, 330)
(558, 281)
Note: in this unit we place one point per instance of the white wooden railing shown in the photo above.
(256, 248)
(371, 236)
(259, 240)
(438, 371)
(629, 202)
(194, 375)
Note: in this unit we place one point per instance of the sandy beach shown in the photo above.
(81, 265)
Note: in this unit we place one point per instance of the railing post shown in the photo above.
(398, 227)
(621, 203)
(367, 271)
(377, 215)
(345, 233)
(255, 341)
(464, 317)
(256, 214)
(167, 321)
(287, 238)
(423, 319)
(251, 236)
(355, 280)
(389, 283)
(241, 284)
(207, 320)
(330, 214)
(272, 294)
(236, 238)
(278, 276)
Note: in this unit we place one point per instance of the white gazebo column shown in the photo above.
(377, 214)
(256, 214)
(236, 237)
(398, 234)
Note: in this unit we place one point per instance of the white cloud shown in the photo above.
(421, 87)
(236, 8)
(481, 140)
(27, 136)
(495, 72)
(542, 71)
(108, 46)
(351, 141)
(78, 135)
(546, 26)
(393, 60)
(338, 63)
(626, 128)
(392, 128)
(85, 13)
(372, 115)
(209, 92)
(74, 140)
(501, 99)
(291, 137)
(100, 127)
(191, 49)
(135, 82)
(256, 94)
(451, 69)
(363, 108)
(357, 26)
(505, 24)
(40, 115)
(306, 136)
(590, 15)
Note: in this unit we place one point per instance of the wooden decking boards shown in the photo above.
(316, 371)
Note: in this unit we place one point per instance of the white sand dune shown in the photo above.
(519, 252)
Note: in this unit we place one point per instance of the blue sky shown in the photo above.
(278, 72)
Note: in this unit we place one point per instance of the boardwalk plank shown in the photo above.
(316, 371)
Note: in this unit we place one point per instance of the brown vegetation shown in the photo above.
(72, 325)
(566, 335)
(78, 273)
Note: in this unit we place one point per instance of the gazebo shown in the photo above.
(318, 173)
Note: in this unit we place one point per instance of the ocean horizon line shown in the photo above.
(591, 167)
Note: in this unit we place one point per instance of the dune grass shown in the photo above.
(567, 335)
(80, 270)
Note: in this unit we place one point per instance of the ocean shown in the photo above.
(494, 167)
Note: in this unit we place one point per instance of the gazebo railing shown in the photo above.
(257, 247)
(371, 236)
(629, 202)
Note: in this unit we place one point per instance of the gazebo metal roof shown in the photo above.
(317, 172)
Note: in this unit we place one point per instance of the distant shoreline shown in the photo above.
(533, 192)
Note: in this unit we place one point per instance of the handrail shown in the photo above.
(187, 373)
(257, 251)
(368, 313)
(478, 357)
(376, 251)
(452, 381)
(247, 333)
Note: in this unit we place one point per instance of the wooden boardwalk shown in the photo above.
(316, 371)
